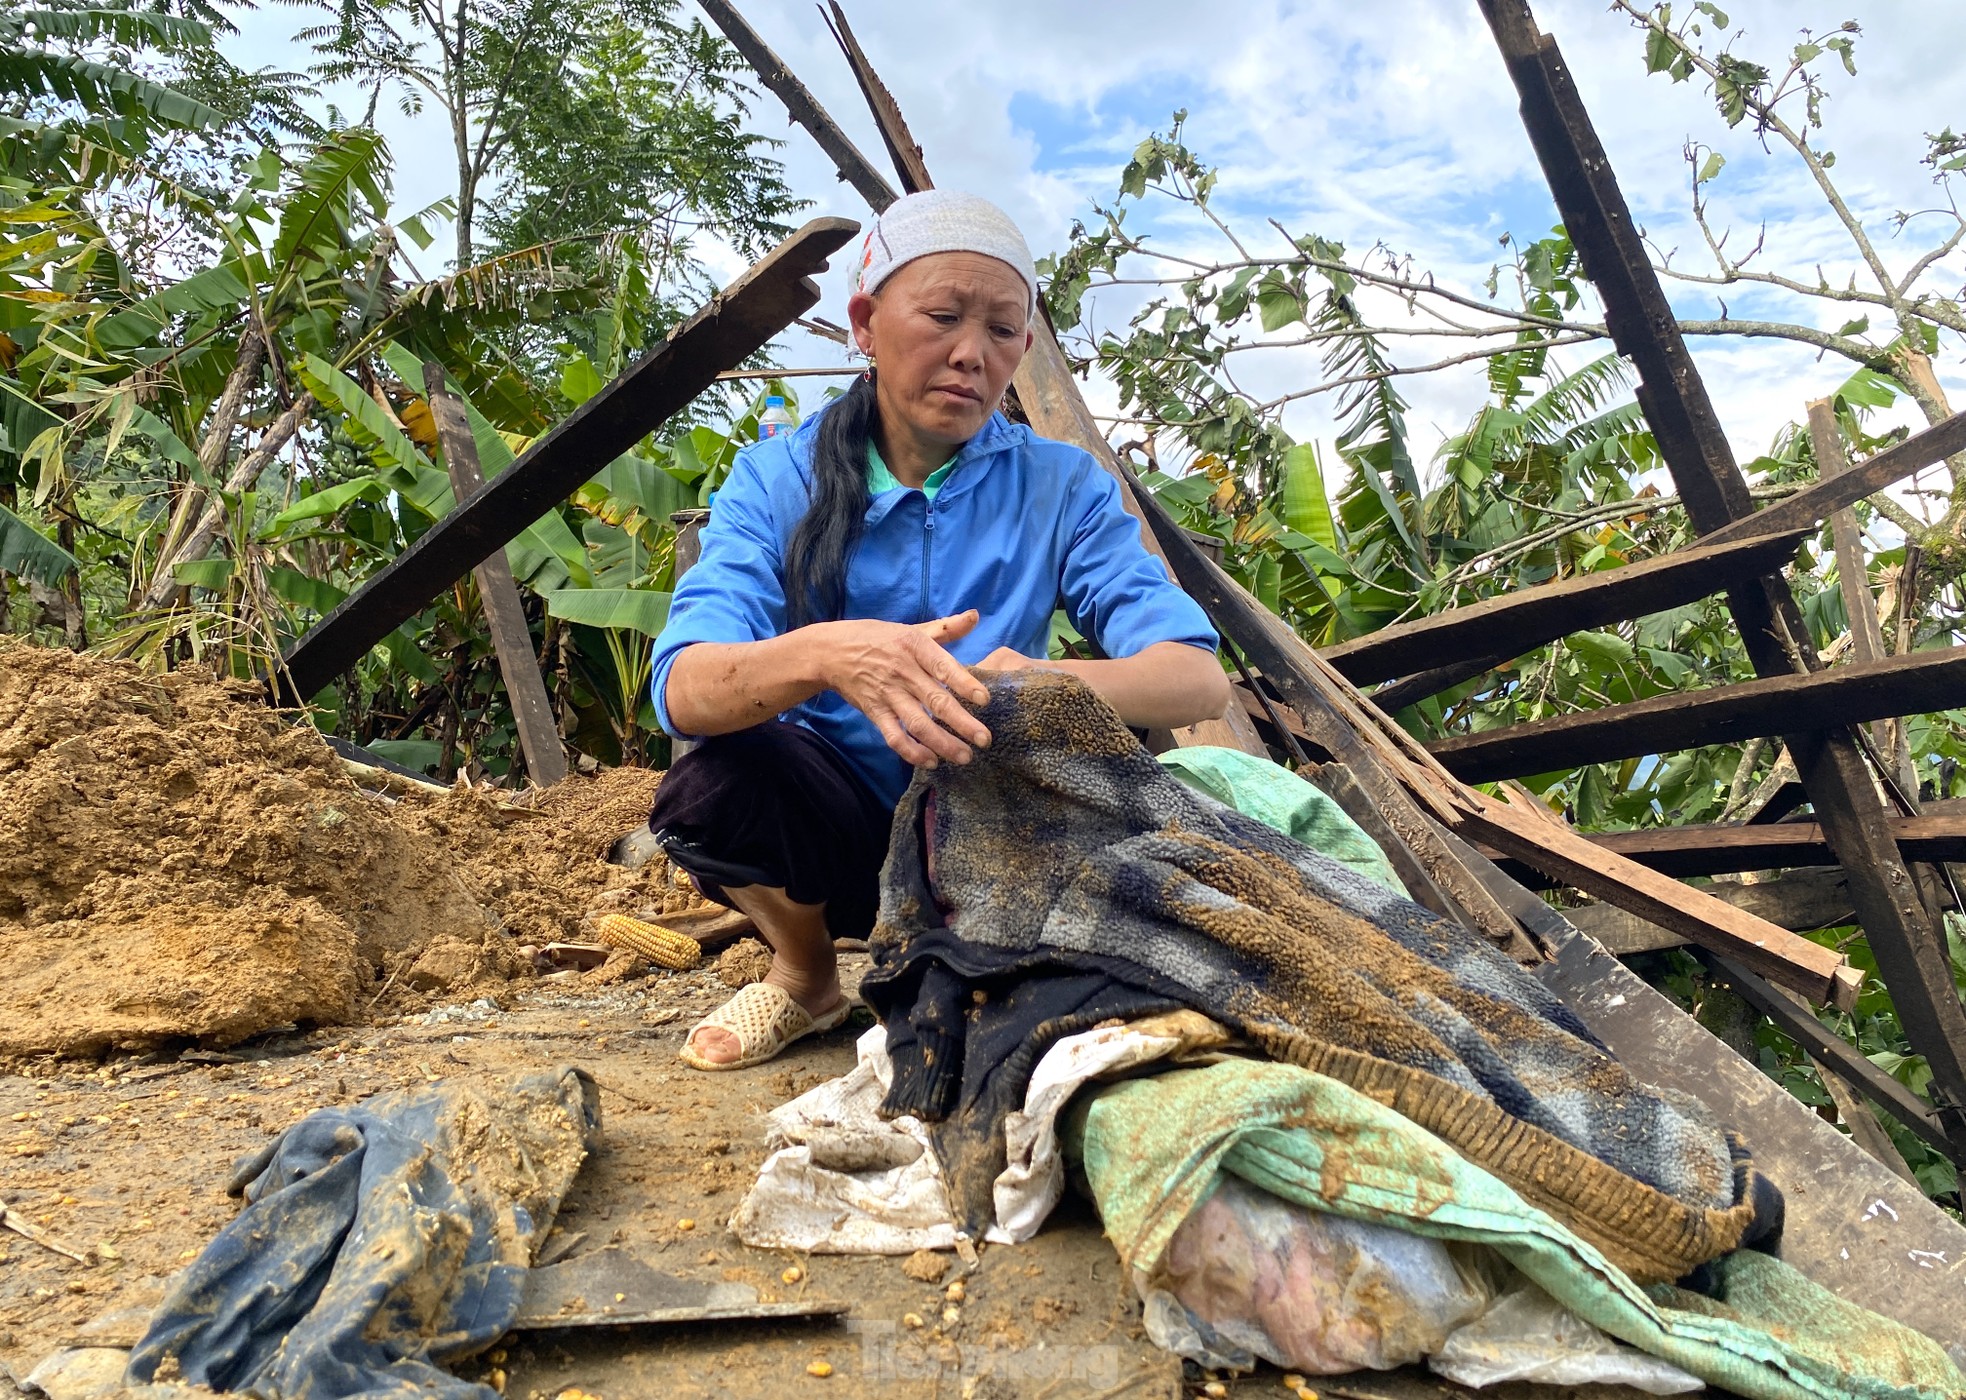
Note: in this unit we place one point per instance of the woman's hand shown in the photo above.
(1004, 659)
(900, 677)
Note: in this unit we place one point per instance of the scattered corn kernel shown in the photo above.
(911, 1320)
(686, 1224)
(951, 1316)
(792, 1275)
(1215, 1390)
(621, 1297)
(496, 1380)
(821, 1369)
(955, 1292)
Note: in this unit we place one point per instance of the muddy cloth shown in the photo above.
(776, 805)
(1063, 878)
(379, 1243)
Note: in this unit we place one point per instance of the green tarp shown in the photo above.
(1279, 798)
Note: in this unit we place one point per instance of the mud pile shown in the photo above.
(177, 861)
(542, 862)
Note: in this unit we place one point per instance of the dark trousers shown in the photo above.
(776, 805)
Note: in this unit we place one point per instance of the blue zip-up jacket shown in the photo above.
(1022, 525)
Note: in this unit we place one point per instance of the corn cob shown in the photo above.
(659, 945)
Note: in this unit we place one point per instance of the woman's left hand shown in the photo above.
(1004, 659)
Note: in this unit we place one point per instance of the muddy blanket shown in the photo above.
(1063, 879)
(380, 1242)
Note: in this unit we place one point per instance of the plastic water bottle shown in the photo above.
(777, 419)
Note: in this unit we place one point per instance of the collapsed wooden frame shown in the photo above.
(1393, 785)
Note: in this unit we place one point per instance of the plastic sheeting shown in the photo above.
(379, 1242)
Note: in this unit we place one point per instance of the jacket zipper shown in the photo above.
(928, 534)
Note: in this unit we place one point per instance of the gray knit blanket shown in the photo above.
(1063, 879)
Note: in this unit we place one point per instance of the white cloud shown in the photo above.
(1390, 122)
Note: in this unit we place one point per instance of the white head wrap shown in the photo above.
(942, 221)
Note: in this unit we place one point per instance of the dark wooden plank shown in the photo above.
(1831, 1050)
(1814, 504)
(1910, 953)
(1519, 622)
(853, 167)
(518, 666)
(900, 142)
(734, 324)
(1412, 689)
(1853, 1225)
(1686, 852)
(1540, 839)
(1800, 901)
(1922, 683)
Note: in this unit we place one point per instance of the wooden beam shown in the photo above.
(734, 324)
(901, 148)
(1800, 901)
(1412, 689)
(1910, 953)
(518, 665)
(1518, 622)
(1830, 1049)
(1726, 849)
(1541, 840)
(1814, 504)
(1924, 682)
(853, 167)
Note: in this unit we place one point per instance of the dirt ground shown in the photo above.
(126, 1162)
(209, 928)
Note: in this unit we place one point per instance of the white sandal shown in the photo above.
(765, 1019)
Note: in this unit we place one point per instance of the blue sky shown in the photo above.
(1389, 123)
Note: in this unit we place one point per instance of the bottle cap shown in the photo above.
(774, 401)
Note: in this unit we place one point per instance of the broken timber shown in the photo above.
(498, 595)
(1402, 649)
(1923, 682)
(732, 325)
(1688, 851)
(1514, 623)
(1902, 933)
(1816, 503)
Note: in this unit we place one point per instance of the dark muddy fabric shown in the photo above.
(379, 1243)
(1064, 878)
(776, 805)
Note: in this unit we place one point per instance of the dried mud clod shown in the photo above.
(743, 963)
(925, 1266)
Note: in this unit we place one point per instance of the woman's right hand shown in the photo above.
(899, 676)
